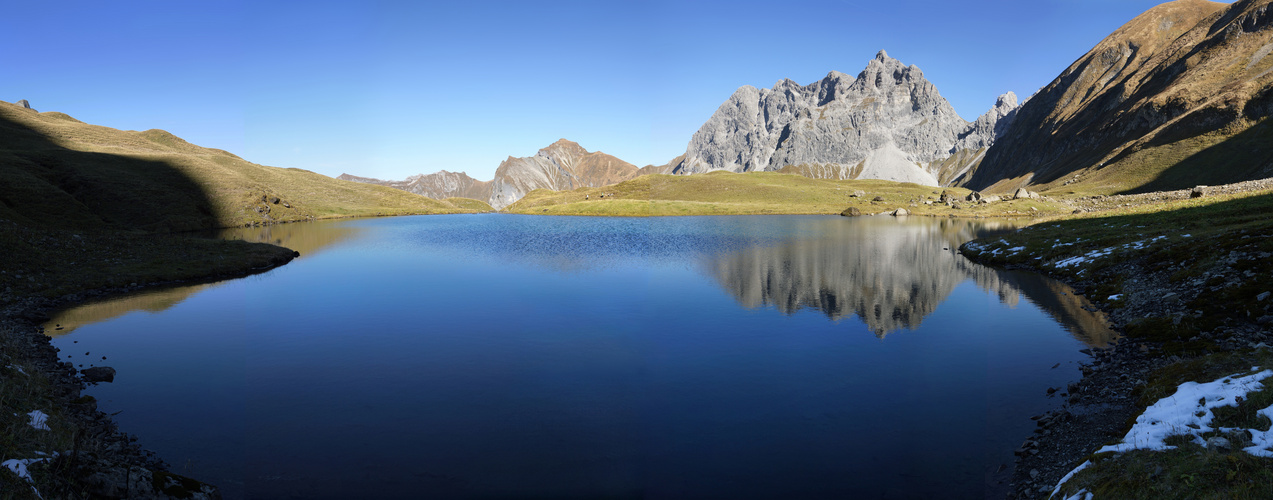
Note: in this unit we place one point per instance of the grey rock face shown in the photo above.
(887, 123)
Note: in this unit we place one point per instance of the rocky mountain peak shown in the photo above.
(887, 123)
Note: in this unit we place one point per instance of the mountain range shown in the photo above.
(563, 165)
(1178, 96)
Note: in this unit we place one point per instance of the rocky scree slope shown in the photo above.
(1178, 96)
(888, 123)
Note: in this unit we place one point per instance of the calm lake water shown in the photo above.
(528, 356)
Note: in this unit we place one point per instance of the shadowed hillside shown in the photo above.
(56, 171)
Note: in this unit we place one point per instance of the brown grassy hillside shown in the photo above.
(56, 171)
(1178, 96)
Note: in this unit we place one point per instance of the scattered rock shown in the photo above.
(98, 374)
(275, 200)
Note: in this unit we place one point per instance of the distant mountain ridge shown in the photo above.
(1178, 96)
(563, 165)
(439, 185)
(888, 123)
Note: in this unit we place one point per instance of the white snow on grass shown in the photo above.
(1188, 413)
(19, 467)
(1094, 254)
(1067, 477)
(39, 420)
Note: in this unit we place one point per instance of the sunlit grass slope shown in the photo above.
(727, 193)
(56, 171)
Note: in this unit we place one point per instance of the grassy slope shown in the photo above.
(58, 172)
(726, 193)
(1216, 228)
(469, 204)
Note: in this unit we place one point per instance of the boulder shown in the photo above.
(98, 374)
(858, 194)
(945, 197)
(851, 212)
(900, 212)
(878, 198)
(973, 196)
(1198, 192)
(23, 103)
(1022, 193)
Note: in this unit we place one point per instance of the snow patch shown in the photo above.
(39, 420)
(1188, 413)
(1067, 477)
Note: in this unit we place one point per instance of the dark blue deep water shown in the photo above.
(526, 356)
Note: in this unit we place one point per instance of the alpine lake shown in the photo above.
(511, 356)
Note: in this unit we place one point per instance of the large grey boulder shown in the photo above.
(23, 103)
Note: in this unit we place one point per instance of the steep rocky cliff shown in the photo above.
(888, 123)
(1178, 96)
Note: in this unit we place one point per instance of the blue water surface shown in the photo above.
(478, 356)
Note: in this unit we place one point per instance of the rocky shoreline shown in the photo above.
(104, 462)
(1098, 408)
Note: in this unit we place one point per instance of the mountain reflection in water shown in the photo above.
(890, 272)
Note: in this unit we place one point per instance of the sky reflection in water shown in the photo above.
(457, 356)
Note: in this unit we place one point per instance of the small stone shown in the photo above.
(878, 198)
(1170, 297)
(1263, 296)
(1218, 443)
(1034, 473)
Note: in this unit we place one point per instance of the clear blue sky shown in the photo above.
(391, 89)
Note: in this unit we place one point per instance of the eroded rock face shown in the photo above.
(563, 165)
(887, 123)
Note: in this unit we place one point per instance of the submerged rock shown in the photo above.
(98, 374)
